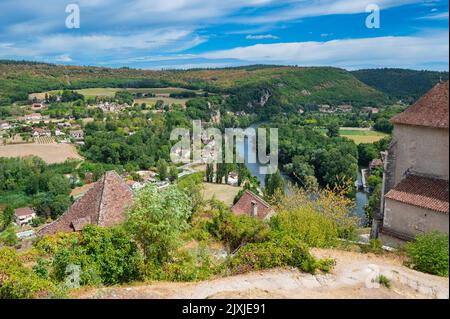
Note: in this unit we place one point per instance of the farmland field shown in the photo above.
(109, 92)
(359, 134)
(167, 100)
(50, 153)
(362, 136)
(222, 192)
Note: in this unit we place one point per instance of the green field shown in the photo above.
(109, 92)
(362, 136)
(359, 135)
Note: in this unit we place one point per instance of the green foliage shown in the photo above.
(6, 218)
(192, 186)
(162, 169)
(384, 125)
(157, 219)
(306, 225)
(375, 246)
(282, 252)
(71, 96)
(30, 181)
(308, 150)
(429, 253)
(384, 281)
(185, 266)
(19, 282)
(274, 183)
(333, 130)
(401, 84)
(105, 255)
(366, 153)
(123, 97)
(8, 236)
(236, 231)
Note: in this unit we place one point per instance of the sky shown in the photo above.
(182, 34)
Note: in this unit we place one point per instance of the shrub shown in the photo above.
(9, 237)
(105, 256)
(383, 280)
(375, 246)
(429, 253)
(187, 266)
(285, 251)
(157, 220)
(307, 225)
(236, 231)
(331, 203)
(19, 282)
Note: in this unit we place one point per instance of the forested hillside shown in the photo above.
(401, 84)
(253, 89)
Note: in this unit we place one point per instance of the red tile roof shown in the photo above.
(103, 204)
(244, 206)
(424, 192)
(23, 211)
(430, 110)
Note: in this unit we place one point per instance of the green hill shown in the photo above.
(401, 84)
(250, 88)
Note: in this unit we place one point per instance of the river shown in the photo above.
(361, 197)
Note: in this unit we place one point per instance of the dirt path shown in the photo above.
(351, 278)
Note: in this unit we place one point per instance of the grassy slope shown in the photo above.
(291, 85)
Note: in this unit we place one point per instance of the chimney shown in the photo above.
(254, 212)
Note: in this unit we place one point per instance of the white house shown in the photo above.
(24, 215)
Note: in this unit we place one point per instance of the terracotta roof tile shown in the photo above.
(244, 206)
(24, 211)
(430, 110)
(103, 204)
(425, 192)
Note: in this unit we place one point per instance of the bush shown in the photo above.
(157, 219)
(383, 280)
(19, 282)
(429, 253)
(185, 266)
(280, 252)
(235, 230)
(307, 225)
(105, 256)
(375, 246)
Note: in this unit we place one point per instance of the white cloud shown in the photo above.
(436, 16)
(304, 9)
(261, 37)
(64, 58)
(350, 53)
(167, 40)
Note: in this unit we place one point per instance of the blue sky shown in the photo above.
(156, 34)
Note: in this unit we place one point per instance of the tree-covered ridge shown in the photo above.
(281, 85)
(401, 84)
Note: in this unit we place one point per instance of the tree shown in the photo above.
(274, 184)
(7, 217)
(333, 129)
(162, 169)
(157, 219)
(383, 125)
(366, 153)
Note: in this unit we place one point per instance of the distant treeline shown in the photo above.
(401, 84)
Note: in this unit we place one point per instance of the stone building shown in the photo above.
(415, 191)
(252, 205)
(104, 204)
